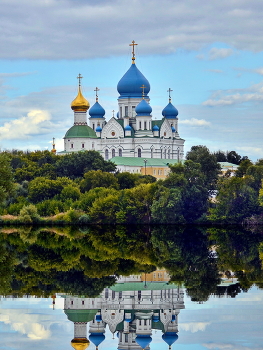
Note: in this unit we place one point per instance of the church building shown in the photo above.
(133, 132)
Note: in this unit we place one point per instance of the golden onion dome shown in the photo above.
(80, 103)
(80, 343)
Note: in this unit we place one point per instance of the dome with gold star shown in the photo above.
(80, 103)
(80, 343)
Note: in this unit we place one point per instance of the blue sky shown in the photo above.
(209, 53)
(218, 324)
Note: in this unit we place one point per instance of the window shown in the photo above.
(113, 153)
(82, 302)
(93, 126)
(139, 153)
(154, 172)
(113, 133)
(92, 145)
(120, 112)
(106, 154)
(151, 153)
(83, 145)
(72, 146)
(140, 125)
(133, 111)
(165, 154)
(120, 152)
(145, 125)
(126, 111)
(168, 154)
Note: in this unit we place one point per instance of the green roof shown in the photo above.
(80, 131)
(135, 286)
(135, 161)
(227, 164)
(80, 315)
(158, 123)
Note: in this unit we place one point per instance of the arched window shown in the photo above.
(139, 153)
(106, 154)
(161, 153)
(113, 153)
(165, 154)
(168, 154)
(140, 125)
(145, 125)
(120, 152)
(151, 152)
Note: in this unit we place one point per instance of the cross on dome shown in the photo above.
(143, 87)
(79, 77)
(96, 89)
(169, 91)
(133, 53)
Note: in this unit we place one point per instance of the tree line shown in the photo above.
(82, 188)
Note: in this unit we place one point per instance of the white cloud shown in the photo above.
(59, 27)
(248, 149)
(195, 122)
(194, 327)
(27, 324)
(219, 53)
(36, 122)
(236, 96)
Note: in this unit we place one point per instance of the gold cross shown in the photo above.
(79, 77)
(133, 53)
(143, 87)
(97, 89)
(169, 91)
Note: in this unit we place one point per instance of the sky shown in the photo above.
(218, 324)
(210, 53)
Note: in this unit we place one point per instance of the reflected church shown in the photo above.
(132, 309)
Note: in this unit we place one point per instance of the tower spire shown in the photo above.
(133, 52)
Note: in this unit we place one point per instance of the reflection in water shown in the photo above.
(132, 308)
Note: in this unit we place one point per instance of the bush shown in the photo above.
(29, 214)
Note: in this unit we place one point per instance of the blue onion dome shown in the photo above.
(173, 129)
(170, 337)
(131, 83)
(170, 111)
(127, 128)
(143, 340)
(97, 338)
(98, 317)
(143, 108)
(156, 128)
(98, 129)
(97, 111)
(117, 115)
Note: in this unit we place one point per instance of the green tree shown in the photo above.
(189, 179)
(98, 178)
(243, 167)
(6, 177)
(77, 164)
(209, 164)
(235, 200)
(233, 157)
(42, 188)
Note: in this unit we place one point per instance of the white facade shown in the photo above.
(132, 133)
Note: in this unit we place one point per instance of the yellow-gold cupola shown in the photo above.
(80, 103)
